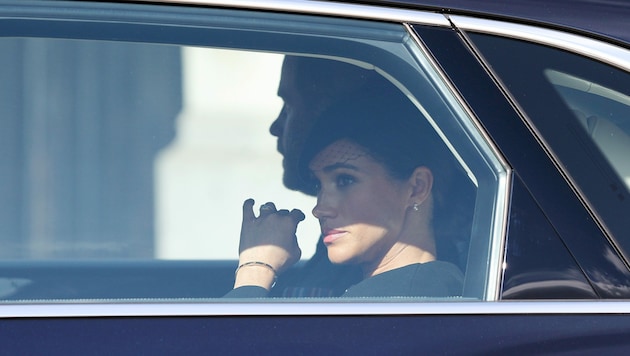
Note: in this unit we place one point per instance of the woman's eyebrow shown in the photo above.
(338, 165)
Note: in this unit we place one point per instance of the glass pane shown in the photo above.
(127, 165)
(603, 112)
(581, 108)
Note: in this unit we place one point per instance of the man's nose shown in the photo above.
(277, 126)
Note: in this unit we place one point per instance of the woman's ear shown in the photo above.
(421, 182)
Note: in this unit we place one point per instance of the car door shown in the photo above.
(135, 131)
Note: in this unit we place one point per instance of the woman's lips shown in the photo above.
(331, 235)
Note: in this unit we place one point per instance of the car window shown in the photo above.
(129, 148)
(579, 106)
(603, 112)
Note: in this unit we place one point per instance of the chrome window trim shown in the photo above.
(157, 309)
(504, 181)
(358, 11)
(599, 50)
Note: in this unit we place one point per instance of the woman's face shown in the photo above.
(360, 207)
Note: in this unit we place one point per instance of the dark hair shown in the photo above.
(384, 122)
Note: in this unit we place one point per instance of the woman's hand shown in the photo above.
(269, 238)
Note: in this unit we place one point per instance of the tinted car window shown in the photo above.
(579, 106)
(604, 114)
(130, 147)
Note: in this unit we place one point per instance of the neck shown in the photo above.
(400, 255)
(416, 244)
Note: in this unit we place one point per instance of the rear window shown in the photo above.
(580, 107)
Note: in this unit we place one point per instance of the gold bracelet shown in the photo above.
(261, 264)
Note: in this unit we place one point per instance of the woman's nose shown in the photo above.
(324, 209)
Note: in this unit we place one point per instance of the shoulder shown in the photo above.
(438, 279)
(431, 279)
(444, 269)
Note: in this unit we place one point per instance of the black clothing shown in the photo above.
(431, 279)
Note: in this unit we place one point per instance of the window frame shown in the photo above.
(30, 25)
(581, 228)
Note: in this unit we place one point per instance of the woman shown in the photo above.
(371, 160)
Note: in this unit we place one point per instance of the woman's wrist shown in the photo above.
(255, 273)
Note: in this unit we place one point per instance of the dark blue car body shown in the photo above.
(567, 275)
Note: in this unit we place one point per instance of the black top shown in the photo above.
(431, 279)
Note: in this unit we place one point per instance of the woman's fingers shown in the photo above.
(267, 208)
(297, 215)
(283, 212)
(248, 210)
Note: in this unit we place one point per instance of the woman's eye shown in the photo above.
(344, 180)
(313, 183)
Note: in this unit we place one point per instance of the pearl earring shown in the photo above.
(416, 206)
